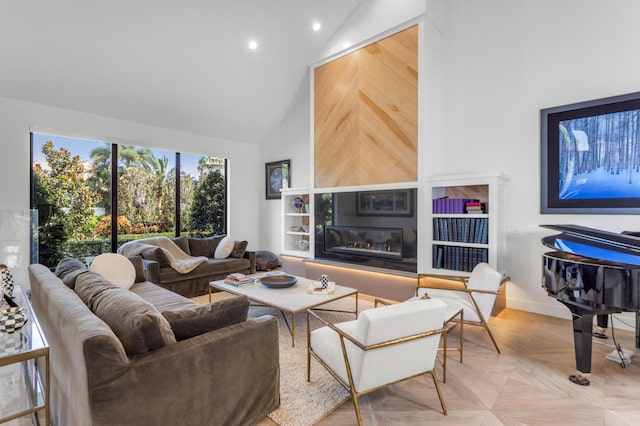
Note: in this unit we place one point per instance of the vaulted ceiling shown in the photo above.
(182, 65)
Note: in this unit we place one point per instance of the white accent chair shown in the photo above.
(383, 346)
(476, 294)
(454, 316)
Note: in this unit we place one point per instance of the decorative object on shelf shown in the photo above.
(277, 177)
(302, 245)
(12, 316)
(279, 281)
(324, 280)
(7, 281)
(297, 204)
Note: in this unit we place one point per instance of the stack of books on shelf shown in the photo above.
(458, 258)
(475, 206)
(463, 230)
(446, 205)
(238, 280)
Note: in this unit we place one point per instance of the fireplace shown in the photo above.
(373, 228)
(385, 243)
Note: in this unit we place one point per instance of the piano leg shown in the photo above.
(582, 325)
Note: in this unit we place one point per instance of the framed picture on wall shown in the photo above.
(589, 157)
(385, 203)
(277, 177)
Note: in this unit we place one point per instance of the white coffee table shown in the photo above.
(291, 300)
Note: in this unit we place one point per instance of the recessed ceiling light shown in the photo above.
(317, 26)
(253, 45)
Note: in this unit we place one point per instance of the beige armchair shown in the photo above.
(476, 294)
(383, 346)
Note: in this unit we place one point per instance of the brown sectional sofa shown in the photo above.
(146, 355)
(196, 283)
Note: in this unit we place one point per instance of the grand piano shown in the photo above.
(593, 273)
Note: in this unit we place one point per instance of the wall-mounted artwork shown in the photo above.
(385, 203)
(277, 177)
(590, 157)
(365, 114)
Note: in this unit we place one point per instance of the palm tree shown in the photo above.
(159, 169)
(100, 179)
(131, 156)
(207, 164)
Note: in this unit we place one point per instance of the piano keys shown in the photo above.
(592, 272)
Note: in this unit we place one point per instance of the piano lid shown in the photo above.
(595, 243)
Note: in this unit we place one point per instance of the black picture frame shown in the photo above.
(394, 202)
(589, 157)
(277, 177)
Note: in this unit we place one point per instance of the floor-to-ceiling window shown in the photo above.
(93, 196)
(146, 195)
(203, 195)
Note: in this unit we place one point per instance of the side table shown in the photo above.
(24, 369)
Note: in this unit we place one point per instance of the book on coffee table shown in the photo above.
(238, 280)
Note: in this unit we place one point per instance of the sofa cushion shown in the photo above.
(136, 261)
(204, 246)
(212, 268)
(196, 320)
(183, 243)
(116, 268)
(157, 254)
(138, 325)
(161, 298)
(225, 247)
(68, 270)
(239, 247)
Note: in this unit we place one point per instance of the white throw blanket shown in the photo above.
(179, 260)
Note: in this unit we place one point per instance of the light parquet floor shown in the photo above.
(527, 384)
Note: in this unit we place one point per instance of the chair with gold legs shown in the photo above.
(383, 346)
(454, 316)
(476, 294)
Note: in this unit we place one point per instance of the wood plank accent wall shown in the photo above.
(366, 114)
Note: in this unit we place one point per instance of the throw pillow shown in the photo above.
(137, 324)
(157, 254)
(68, 270)
(193, 321)
(183, 243)
(204, 246)
(116, 268)
(136, 261)
(224, 248)
(239, 247)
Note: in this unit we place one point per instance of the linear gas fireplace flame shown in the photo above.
(383, 243)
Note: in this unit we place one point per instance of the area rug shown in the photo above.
(304, 403)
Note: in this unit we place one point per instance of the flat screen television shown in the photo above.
(590, 157)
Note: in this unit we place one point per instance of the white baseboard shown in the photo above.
(559, 311)
(622, 321)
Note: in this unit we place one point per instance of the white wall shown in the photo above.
(18, 118)
(504, 60)
(500, 62)
(293, 138)
(291, 141)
